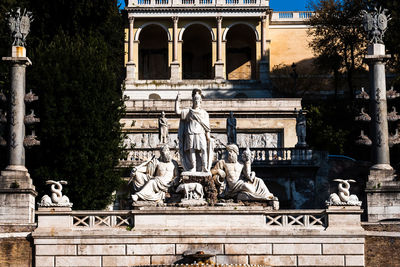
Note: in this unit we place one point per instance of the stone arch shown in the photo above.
(153, 53)
(241, 52)
(137, 34)
(225, 33)
(196, 22)
(196, 52)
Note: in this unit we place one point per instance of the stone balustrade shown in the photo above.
(261, 156)
(264, 218)
(195, 3)
(235, 235)
(291, 16)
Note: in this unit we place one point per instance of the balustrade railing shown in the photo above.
(119, 219)
(297, 219)
(291, 16)
(125, 219)
(261, 156)
(194, 3)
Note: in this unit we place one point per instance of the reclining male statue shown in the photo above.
(152, 182)
(236, 178)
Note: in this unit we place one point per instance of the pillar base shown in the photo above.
(383, 195)
(219, 70)
(382, 167)
(130, 71)
(175, 72)
(264, 72)
(17, 196)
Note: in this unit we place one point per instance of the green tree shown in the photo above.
(337, 37)
(392, 36)
(77, 52)
(80, 110)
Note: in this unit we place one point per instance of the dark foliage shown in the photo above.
(338, 39)
(77, 52)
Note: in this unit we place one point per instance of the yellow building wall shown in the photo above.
(290, 46)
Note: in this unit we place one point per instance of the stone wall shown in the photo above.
(16, 245)
(235, 235)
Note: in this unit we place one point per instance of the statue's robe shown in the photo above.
(193, 126)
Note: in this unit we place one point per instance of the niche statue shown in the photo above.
(301, 129)
(231, 129)
(163, 128)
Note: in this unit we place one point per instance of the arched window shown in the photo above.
(241, 53)
(197, 59)
(153, 53)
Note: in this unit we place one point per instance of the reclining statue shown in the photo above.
(152, 180)
(236, 178)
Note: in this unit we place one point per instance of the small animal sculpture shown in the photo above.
(343, 195)
(191, 190)
(57, 196)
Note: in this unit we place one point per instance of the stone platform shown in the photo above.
(235, 235)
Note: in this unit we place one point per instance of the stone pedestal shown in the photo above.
(17, 197)
(219, 70)
(383, 195)
(175, 72)
(130, 71)
(264, 72)
(344, 217)
(205, 179)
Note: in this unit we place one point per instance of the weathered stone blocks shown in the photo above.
(321, 261)
(55, 250)
(125, 260)
(151, 249)
(297, 249)
(274, 260)
(237, 249)
(101, 249)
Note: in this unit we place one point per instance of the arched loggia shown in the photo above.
(197, 52)
(153, 53)
(241, 53)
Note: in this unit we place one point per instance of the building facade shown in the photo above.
(226, 48)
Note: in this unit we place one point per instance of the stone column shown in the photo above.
(17, 114)
(379, 126)
(383, 191)
(130, 65)
(175, 68)
(219, 65)
(17, 194)
(264, 64)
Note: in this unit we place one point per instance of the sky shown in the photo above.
(288, 5)
(281, 5)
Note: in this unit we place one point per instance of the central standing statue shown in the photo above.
(195, 144)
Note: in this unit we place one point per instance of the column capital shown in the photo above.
(219, 18)
(175, 19)
(131, 19)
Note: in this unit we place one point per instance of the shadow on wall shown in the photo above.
(303, 78)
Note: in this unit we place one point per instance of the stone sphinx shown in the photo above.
(152, 180)
(236, 178)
